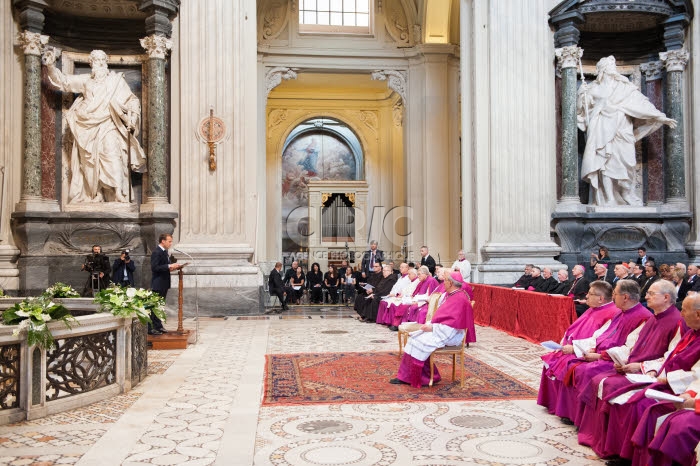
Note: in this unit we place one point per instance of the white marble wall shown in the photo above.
(692, 132)
(508, 134)
(431, 135)
(11, 85)
(212, 59)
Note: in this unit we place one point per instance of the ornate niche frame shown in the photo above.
(115, 62)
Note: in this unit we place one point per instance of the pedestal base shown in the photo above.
(171, 340)
(54, 245)
(623, 230)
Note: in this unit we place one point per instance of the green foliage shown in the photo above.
(32, 316)
(60, 290)
(131, 302)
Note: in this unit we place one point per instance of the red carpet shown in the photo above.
(329, 378)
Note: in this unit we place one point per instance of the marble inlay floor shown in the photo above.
(201, 406)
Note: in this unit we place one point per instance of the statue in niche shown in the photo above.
(103, 121)
(615, 114)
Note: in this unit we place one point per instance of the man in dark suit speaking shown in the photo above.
(160, 278)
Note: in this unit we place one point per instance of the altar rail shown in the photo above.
(533, 316)
(100, 357)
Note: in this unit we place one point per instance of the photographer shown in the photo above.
(97, 264)
(123, 270)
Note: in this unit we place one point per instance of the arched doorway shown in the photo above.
(319, 149)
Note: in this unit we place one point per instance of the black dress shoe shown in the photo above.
(394, 328)
(162, 330)
(567, 421)
(618, 462)
(397, 382)
(155, 332)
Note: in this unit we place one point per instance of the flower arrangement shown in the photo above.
(130, 302)
(61, 290)
(32, 316)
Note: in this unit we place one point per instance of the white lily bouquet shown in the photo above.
(61, 290)
(131, 302)
(32, 316)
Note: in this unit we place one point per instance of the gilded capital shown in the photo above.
(675, 60)
(32, 43)
(156, 46)
(569, 56)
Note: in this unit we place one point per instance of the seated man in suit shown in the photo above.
(564, 283)
(276, 286)
(525, 279)
(535, 279)
(549, 283)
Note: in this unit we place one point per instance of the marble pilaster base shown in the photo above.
(9, 273)
(220, 278)
(505, 261)
(53, 245)
(623, 230)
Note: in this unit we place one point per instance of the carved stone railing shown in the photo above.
(101, 357)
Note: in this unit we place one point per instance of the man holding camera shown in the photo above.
(123, 270)
(98, 266)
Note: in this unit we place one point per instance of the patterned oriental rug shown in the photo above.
(330, 378)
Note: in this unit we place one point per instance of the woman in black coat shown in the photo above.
(314, 281)
(331, 280)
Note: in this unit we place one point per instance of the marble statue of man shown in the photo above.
(615, 115)
(103, 121)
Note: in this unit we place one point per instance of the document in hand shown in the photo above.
(619, 355)
(297, 288)
(551, 345)
(581, 347)
(640, 378)
(368, 287)
(662, 396)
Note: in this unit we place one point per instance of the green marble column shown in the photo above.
(157, 164)
(32, 44)
(157, 190)
(568, 59)
(675, 62)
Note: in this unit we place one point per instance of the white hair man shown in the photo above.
(463, 265)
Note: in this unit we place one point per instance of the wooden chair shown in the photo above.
(454, 351)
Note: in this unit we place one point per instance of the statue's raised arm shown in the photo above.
(102, 121)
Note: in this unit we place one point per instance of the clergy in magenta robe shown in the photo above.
(660, 332)
(401, 284)
(391, 303)
(426, 285)
(624, 323)
(635, 416)
(446, 329)
(419, 312)
(625, 426)
(595, 319)
(677, 437)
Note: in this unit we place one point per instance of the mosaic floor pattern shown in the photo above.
(202, 406)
